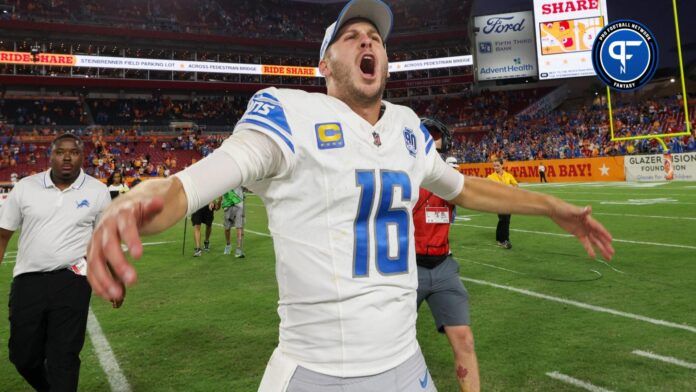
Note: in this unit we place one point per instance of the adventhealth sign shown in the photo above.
(505, 46)
(510, 69)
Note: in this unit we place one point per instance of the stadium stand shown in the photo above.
(577, 133)
(486, 124)
(247, 18)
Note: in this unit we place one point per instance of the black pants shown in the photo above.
(48, 317)
(542, 176)
(502, 232)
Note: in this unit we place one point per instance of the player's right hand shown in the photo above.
(107, 266)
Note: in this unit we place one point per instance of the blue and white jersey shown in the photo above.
(340, 216)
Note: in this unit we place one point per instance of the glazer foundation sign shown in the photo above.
(505, 46)
(666, 167)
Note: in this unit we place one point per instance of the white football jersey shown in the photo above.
(340, 216)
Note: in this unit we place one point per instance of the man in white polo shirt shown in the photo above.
(49, 299)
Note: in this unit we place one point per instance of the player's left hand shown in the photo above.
(578, 221)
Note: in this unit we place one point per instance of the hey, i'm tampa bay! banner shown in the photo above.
(557, 170)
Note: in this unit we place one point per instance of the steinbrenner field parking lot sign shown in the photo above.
(505, 46)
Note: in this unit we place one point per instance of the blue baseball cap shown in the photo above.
(376, 11)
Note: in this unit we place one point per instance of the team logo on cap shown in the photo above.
(625, 55)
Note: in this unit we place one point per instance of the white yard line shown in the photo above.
(616, 202)
(569, 235)
(583, 305)
(575, 382)
(672, 360)
(106, 356)
(621, 193)
(258, 233)
(646, 216)
(248, 231)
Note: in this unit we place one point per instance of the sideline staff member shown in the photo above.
(502, 231)
(49, 299)
(438, 271)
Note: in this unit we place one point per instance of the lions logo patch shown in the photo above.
(410, 140)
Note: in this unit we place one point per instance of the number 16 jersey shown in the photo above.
(340, 216)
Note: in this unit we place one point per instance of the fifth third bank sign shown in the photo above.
(505, 46)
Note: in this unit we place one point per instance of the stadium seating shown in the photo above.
(245, 18)
(582, 132)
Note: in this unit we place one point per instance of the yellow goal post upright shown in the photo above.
(659, 137)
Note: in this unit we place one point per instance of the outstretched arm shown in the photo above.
(156, 205)
(484, 195)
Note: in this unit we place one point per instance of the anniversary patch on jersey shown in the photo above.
(410, 140)
(329, 135)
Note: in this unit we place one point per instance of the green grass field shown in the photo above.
(210, 323)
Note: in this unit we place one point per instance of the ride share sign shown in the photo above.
(505, 46)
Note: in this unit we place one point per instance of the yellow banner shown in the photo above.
(287, 70)
(58, 60)
(557, 170)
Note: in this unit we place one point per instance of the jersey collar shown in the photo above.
(77, 184)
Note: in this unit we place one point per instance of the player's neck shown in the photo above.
(369, 111)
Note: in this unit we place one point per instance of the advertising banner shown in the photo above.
(665, 167)
(557, 170)
(505, 46)
(565, 33)
(64, 60)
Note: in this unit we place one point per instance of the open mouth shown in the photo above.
(367, 65)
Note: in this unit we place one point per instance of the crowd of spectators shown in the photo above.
(40, 111)
(579, 133)
(154, 156)
(124, 150)
(216, 111)
(471, 109)
(486, 122)
(268, 19)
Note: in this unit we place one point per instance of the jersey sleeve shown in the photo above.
(11, 211)
(439, 177)
(429, 142)
(266, 114)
